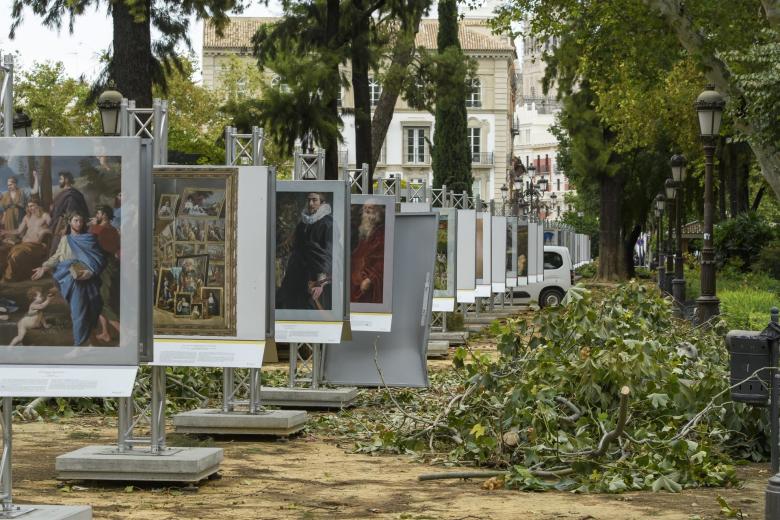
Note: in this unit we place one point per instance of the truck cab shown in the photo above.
(558, 278)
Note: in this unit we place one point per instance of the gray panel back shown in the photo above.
(401, 353)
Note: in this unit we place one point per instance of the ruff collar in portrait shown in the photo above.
(311, 219)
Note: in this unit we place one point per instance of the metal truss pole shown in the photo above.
(310, 166)
(5, 462)
(7, 95)
(158, 410)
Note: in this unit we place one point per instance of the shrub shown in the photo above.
(769, 259)
(742, 237)
(588, 270)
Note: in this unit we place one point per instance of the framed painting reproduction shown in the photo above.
(522, 252)
(372, 221)
(201, 229)
(511, 252)
(311, 251)
(444, 269)
(72, 253)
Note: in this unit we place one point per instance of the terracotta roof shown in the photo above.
(474, 36)
(237, 34)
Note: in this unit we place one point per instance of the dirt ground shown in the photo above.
(314, 478)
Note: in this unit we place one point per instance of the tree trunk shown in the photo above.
(628, 245)
(723, 180)
(757, 200)
(331, 36)
(612, 261)
(360, 89)
(402, 56)
(131, 62)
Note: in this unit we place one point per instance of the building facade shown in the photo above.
(405, 153)
(536, 112)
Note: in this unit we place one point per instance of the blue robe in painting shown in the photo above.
(82, 295)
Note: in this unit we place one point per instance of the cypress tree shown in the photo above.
(451, 157)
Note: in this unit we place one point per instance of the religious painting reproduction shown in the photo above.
(64, 249)
(372, 221)
(192, 250)
(444, 268)
(310, 250)
(59, 255)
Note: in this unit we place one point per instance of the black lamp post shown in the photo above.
(109, 104)
(670, 191)
(22, 124)
(678, 163)
(709, 106)
(660, 203)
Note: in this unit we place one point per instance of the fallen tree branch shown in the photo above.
(577, 413)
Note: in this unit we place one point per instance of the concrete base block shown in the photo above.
(454, 338)
(307, 397)
(139, 465)
(36, 512)
(438, 349)
(271, 422)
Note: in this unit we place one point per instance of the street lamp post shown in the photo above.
(671, 192)
(109, 104)
(678, 163)
(709, 106)
(22, 124)
(660, 203)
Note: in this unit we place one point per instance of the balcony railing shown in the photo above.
(482, 158)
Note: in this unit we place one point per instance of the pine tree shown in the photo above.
(451, 159)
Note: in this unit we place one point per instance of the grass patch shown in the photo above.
(747, 309)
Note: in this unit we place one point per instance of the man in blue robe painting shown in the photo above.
(76, 266)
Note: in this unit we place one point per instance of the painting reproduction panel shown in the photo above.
(199, 241)
(60, 250)
(372, 218)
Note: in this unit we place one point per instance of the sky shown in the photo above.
(92, 31)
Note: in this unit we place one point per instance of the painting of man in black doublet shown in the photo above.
(305, 252)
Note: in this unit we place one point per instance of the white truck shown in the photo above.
(558, 278)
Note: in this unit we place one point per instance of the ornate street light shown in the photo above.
(109, 104)
(678, 164)
(709, 106)
(670, 190)
(22, 124)
(504, 191)
(660, 202)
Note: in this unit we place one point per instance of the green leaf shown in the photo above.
(477, 431)
(727, 510)
(664, 482)
(658, 400)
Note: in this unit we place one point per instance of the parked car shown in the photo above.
(558, 277)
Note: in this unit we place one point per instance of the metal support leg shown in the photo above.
(292, 379)
(124, 424)
(444, 322)
(255, 381)
(315, 365)
(5, 462)
(158, 410)
(228, 390)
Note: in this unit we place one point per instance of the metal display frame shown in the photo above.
(305, 381)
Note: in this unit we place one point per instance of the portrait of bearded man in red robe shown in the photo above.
(368, 253)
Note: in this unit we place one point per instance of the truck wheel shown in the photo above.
(551, 297)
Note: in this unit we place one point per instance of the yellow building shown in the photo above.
(405, 152)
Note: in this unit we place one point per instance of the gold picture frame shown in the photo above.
(201, 181)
